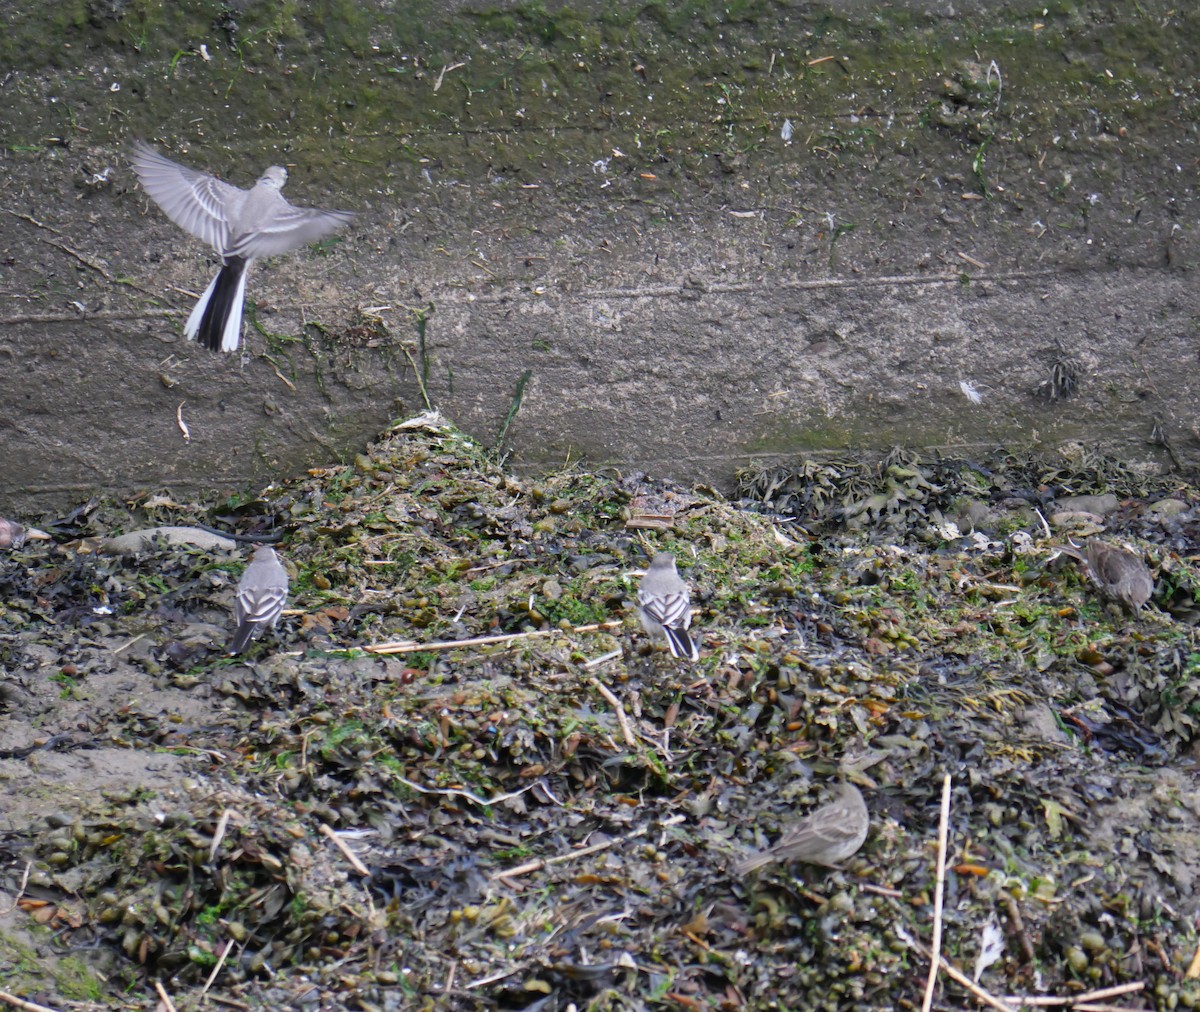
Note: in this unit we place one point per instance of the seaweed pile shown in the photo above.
(458, 775)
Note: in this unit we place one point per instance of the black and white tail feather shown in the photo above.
(216, 320)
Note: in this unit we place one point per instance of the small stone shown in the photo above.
(1167, 508)
(1079, 520)
(1101, 505)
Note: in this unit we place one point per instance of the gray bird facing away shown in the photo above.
(826, 836)
(1116, 572)
(261, 594)
(14, 535)
(664, 606)
(241, 225)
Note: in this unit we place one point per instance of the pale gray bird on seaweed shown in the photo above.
(664, 606)
(241, 225)
(261, 594)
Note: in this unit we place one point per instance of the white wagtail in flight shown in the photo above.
(241, 225)
(664, 606)
(261, 594)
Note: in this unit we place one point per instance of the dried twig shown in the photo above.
(417, 373)
(528, 866)
(163, 996)
(491, 979)
(344, 847)
(1010, 1003)
(878, 890)
(217, 969)
(459, 792)
(225, 1000)
(145, 314)
(443, 72)
(1079, 1001)
(290, 385)
(956, 974)
(409, 647)
(939, 894)
(21, 891)
(21, 1003)
(1018, 927)
(128, 643)
(618, 709)
(85, 260)
(219, 835)
(988, 999)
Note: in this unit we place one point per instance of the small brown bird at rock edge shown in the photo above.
(826, 836)
(1116, 572)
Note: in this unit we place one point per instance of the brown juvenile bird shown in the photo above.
(1117, 573)
(14, 535)
(826, 836)
(1122, 575)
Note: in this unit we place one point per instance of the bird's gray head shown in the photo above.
(275, 176)
(263, 552)
(663, 560)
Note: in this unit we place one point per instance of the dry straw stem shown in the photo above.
(595, 848)
(956, 974)
(618, 709)
(409, 647)
(164, 997)
(219, 835)
(458, 792)
(938, 896)
(1082, 1002)
(28, 1006)
(1011, 1003)
(20, 892)
(217, 969)
(350, 856)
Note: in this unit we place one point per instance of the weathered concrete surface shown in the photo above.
(602, 197)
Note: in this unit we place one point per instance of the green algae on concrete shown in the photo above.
(485, 82)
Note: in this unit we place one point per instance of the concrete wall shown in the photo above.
(603, 196)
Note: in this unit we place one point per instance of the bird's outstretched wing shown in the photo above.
(269, 225)
(197, 202)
